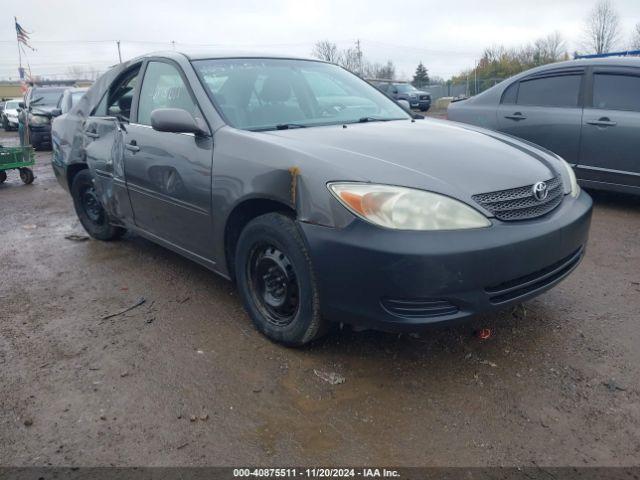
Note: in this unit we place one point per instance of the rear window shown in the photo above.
(560, 91)
(616, 92)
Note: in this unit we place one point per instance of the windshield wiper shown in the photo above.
(287, 126)
(372, 119)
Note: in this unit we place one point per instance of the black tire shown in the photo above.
(5, 125)
(3, 176)
(27, 176)
(90, 211)
(276, 281)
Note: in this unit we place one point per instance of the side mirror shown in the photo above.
(404, 104)
(176, 120)
(56, 112)
(395, 91)
(21, 105)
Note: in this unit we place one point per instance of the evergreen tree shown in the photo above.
(421, 77)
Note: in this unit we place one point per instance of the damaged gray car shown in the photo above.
(321, 198)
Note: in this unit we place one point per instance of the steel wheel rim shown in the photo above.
(91, 205)
(273, 284)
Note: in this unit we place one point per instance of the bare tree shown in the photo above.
(351, 59)
(602, 27)
(635, 38)
(551, 48)
(327, 51)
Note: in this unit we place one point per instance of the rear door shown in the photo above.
(546, 109)
(104, 134)
(169, 174)
(610, 148)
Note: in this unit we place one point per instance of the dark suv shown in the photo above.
(41, 104)
(405, 91)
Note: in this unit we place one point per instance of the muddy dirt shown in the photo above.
(184, 379)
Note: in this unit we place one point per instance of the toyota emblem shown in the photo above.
(540, 191)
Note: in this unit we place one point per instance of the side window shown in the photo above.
(101, 109)
(510, 95)
(616, 92)
(560, 91)
(163, 87)
(120, 95)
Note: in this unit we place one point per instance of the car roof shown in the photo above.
(210, 54)
(590, 62)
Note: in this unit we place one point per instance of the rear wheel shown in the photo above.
(276, 281)
(27, 176)
(92, 215)
(3, 176)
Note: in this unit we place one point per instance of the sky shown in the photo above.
(447, 36)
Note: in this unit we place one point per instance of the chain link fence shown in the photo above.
(464, 88)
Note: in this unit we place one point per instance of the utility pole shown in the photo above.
(359, 54)
(119, 54)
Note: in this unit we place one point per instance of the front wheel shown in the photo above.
(92, 215)
(3, 176)
(276, 281)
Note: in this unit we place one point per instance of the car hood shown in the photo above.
(453, 159)
(42, 109)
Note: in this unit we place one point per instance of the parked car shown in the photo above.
(70, 97)
(405, 91)
(10, 114)
(586, 111)
(41, 105)
(321, 207)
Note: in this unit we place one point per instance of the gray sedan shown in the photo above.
(586, 111)
(315, 193)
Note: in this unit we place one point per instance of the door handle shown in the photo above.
(516, 116)
(132, 146)
(602, 122)
(91, 134)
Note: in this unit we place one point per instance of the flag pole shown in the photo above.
(19, 53)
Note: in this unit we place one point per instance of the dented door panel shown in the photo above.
(104, 147)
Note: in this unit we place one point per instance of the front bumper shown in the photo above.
(40, 135)
(402, 281)
(422, 104)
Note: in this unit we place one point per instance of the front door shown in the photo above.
(545, 110)
(169, 174)
(610, 149)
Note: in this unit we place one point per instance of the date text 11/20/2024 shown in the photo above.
(315, 472)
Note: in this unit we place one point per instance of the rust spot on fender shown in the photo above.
(294, 172)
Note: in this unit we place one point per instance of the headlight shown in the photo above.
(406, 208)
(575, 188)
(38, 119)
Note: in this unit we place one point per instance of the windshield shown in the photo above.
(49, 97)
(406, 88)
(12, 105)
(265, 94)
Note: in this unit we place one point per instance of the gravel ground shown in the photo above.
(184, 379)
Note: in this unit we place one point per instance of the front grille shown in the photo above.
(520, 203)
(424, 97)
(418, 307)
(518, 287)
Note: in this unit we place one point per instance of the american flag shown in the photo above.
(23, 35)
